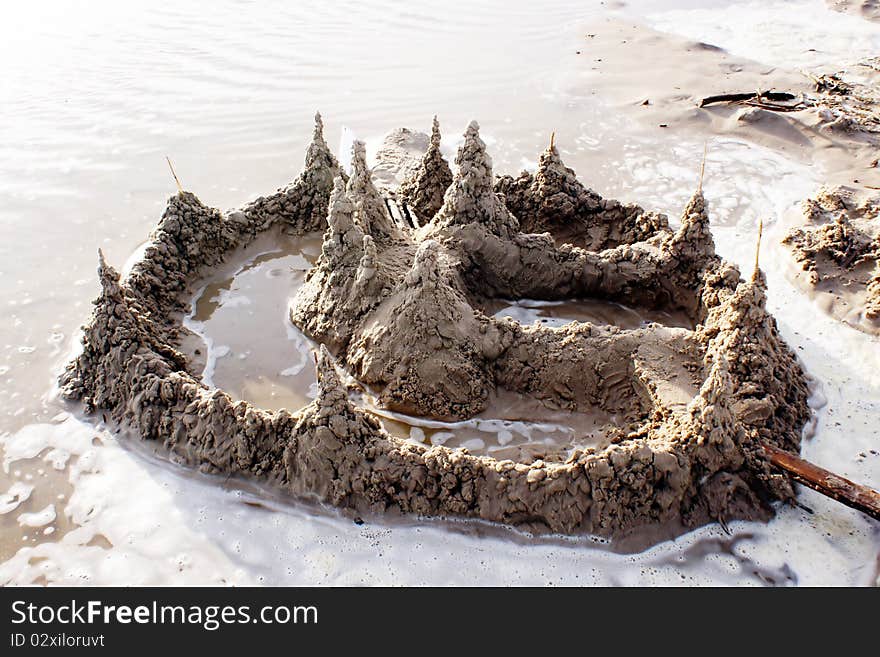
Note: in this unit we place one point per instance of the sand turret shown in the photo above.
(112, 329)
(318, 155)
(109, 279)
(370, 212)
(693, 239)
(344, 238)
(424, 189)
(301, 206)
(425, 346)
(346, 279)
(471, 197)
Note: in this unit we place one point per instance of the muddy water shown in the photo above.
(96, 94)
(513, 426)
(595, 311)
(251, 350)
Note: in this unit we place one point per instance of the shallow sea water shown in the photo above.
(96, 94)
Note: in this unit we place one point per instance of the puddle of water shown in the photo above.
(252, 350)
(513, 426)
(594, 311)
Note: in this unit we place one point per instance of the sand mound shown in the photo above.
(837, 251)
(398, 306)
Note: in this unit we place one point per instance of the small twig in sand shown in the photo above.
(552, 139)
(834, 486)
(176, 179)
(703, 164)
(774, 107)
(758, 247)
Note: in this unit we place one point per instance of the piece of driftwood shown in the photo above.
(854, 495)
(774, 96)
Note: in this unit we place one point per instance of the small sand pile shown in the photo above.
(398, 307)
(838, 253)
(849, 101)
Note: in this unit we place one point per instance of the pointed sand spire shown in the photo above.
(471, 197)
(423, 190)
(318, 154)
(370, 212)
(109, 278)
(693, 238)
(332, 396)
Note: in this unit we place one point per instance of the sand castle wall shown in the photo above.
(396, 309)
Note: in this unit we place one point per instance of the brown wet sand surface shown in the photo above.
(657, 80)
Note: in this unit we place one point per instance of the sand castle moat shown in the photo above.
(401, 304)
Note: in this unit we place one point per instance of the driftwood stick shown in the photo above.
(834, 486)
(755, 95)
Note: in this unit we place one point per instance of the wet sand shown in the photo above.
(92, 174)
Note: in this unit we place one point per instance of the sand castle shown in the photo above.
(396, 303)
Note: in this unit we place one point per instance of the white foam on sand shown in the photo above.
(18, 492)
(117, 499)
(166, 524)
(39, 518)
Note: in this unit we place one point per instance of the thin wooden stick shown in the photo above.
(854, 495)
(176, 179)
(758, 247)
(703, 163)
(552, 139)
